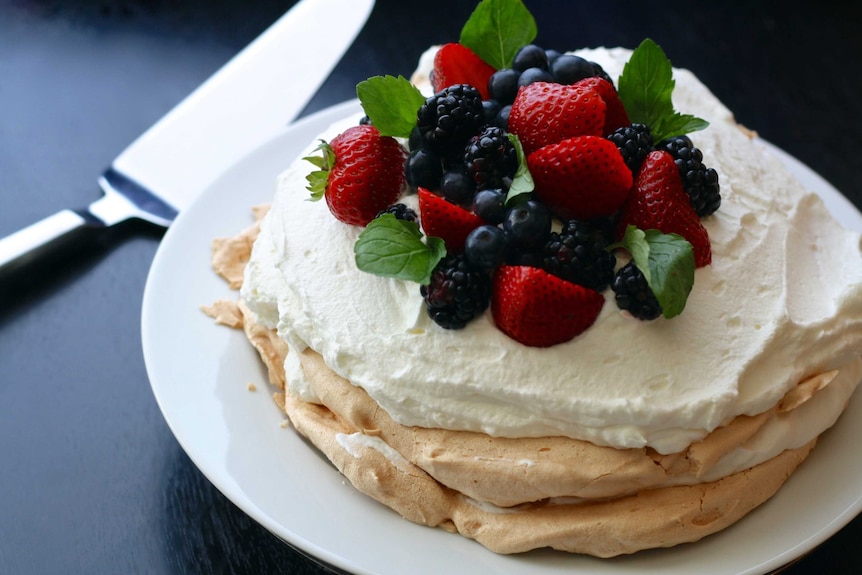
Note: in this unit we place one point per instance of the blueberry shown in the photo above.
(530, 56)
(531, 75)
(528, 224)
(490, 205)
(485, 247)
(457, 187)
(490, 109)
(552, 55)
(424, 169)
(568, 69)
(503, 85)
(502, 118)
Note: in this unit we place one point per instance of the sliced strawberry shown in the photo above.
(546, 113)
(583, 177)
(615, 113)
(538, 309)
(456, 64)
(658, 201)
(445, 220)
(360, 173)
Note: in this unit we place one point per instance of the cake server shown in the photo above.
(249, 100)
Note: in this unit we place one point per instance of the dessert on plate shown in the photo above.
(550, 300)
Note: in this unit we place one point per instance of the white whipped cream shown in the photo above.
(781, 301)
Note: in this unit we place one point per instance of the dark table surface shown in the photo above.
(91, 480)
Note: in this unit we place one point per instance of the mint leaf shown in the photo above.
(497, 29)
(522, 183)
(645, 88)
(390, 103)
(667, 262)
(390, 247)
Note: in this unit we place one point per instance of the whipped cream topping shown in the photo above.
(781, 301)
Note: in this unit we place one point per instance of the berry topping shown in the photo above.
(634, 143)
(503, 85)
(528, 225)
(457, 64)
(568, 69)
(424, 169)
(633, 294)
(359, 173)
(443, 219)
(658, 201)
(530, 56)
(456, 293)
(401, 212)
(699, 182)
(579, 254)
(490, 158)
(449, 118)
(583, 177)
(545, 113)
(490, 205)
(485, 247)
(538, 309)
(615, 113)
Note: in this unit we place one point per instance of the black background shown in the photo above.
(91, 479)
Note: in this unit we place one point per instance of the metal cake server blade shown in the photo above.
(249, 100)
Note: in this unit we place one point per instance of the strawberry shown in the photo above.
(360, 173)
(538, 309)
(658, 201)
(445, 220)
(456, 64)
(615, 113)
(583, 177)
(546, 113)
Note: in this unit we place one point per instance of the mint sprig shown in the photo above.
(390, 247)
(667, 262)
(645, 88)
(390, 103)
(497, 29)
(522, 183)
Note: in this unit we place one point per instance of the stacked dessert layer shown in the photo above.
(633, 434)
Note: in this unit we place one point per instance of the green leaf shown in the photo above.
(676, 125)
(522, 183)
(497, 29)
(390, 103)
(390, 247)
(318, 179)
(645, 88)
(667, 262)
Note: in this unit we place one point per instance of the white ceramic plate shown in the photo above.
(200, 374)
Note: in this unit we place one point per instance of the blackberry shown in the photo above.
(633, 294)
(578, 253)
(490, 157)
(634, 143)
(449, 118)
(401, 212)
(700, 182)
(456, 293)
